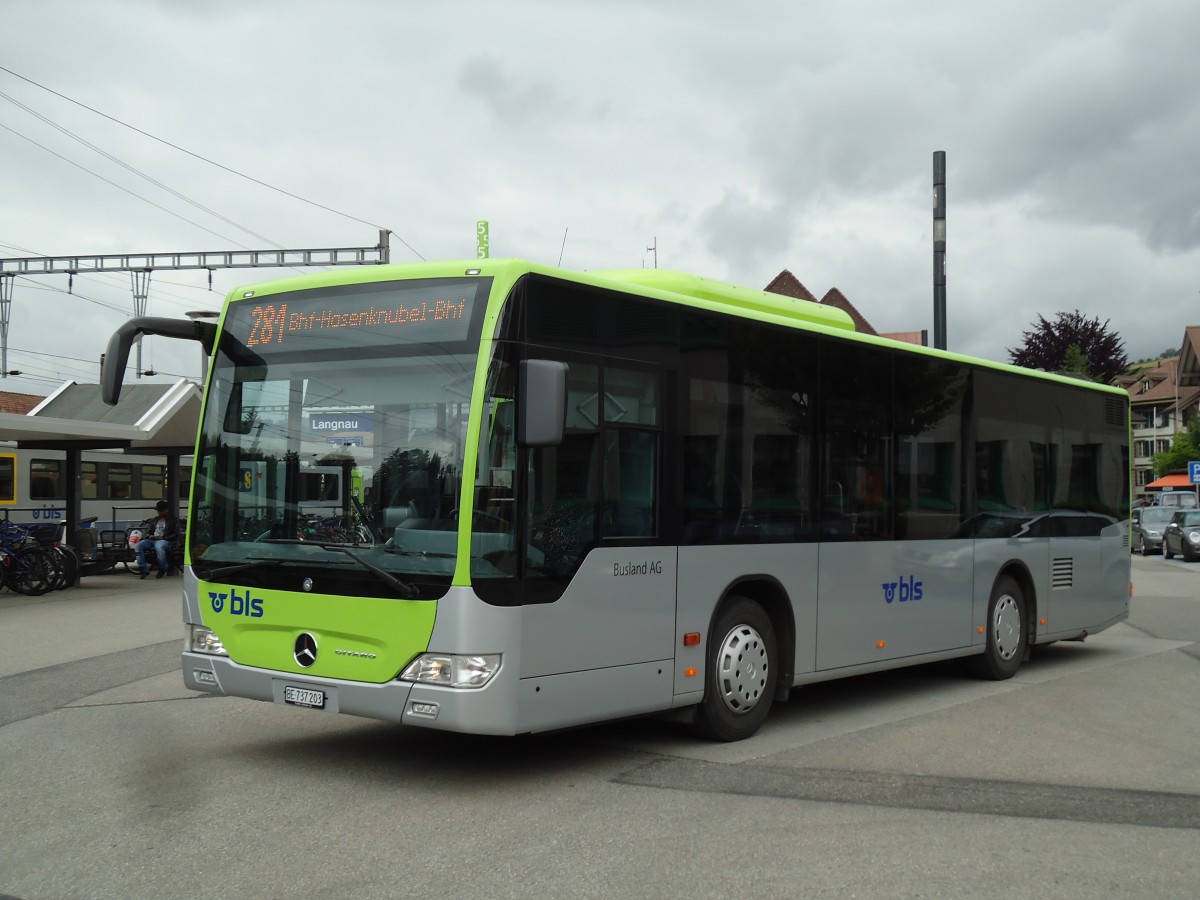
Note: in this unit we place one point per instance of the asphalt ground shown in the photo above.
(1080, 777)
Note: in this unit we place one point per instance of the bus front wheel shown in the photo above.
(1007, 632)
(742, 671)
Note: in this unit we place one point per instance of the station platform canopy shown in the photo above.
(151, 418)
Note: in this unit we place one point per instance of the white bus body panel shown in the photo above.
(883, 601)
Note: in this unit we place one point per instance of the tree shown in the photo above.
(1076, 362)
(1072, 343)
(1184, 448)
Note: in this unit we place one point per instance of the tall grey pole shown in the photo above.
(939, 249)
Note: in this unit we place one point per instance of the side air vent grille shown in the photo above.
(1114, 412)
(1062, 573)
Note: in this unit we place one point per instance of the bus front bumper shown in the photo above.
(425, 706)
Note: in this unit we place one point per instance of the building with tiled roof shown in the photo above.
(18, 403)
(789, 285)
(1189, 357)
(1163, 397)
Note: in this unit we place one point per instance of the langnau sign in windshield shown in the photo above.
(340, 423)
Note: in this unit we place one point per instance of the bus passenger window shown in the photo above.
(630, 459)
(563, 505)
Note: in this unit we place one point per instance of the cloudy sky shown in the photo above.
(740, 139)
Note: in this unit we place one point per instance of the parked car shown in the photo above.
(1182, 535)
(1177, 499)
(1146, 528)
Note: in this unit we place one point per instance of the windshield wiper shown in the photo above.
(400, 551)
(404, 588)
(242, 567)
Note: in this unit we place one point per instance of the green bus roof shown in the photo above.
(678, 287)
(731, 295)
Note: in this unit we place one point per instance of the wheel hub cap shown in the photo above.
(1006, 627)
(741, 669)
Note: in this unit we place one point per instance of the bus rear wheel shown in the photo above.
(1007, 632)
(742, 672)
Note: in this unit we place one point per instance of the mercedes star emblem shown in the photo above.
(306, 649)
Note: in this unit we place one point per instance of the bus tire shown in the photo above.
(1007, 632)
(742, 671)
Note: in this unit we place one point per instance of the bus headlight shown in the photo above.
(452, 670)
(204, 640)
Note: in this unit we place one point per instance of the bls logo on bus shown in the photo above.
(907, 588)
(239, 605)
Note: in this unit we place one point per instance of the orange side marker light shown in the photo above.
(691, 639)
(880, 644)
(689, 673)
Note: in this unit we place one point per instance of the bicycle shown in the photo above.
(26, 566)
(68, 558)
(53, 538)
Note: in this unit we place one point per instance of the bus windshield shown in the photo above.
(342, 451)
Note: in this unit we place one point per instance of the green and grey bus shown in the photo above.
(562, 498)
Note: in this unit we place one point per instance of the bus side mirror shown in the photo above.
(542, 402)
(112, 370)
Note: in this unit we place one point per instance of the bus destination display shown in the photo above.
(317, 319)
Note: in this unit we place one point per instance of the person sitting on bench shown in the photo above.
(158, 535)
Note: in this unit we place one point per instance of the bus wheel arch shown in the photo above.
(749, 638)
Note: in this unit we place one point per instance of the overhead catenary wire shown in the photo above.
(33, 285)
(138, 172)
(120, 187)
(30, 363)
(211, 162)
(46, 120)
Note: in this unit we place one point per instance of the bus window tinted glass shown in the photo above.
(563, 493)
(929, 496)
(747, 432)
(630, 467)
(1017, 455)
(856, 432)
